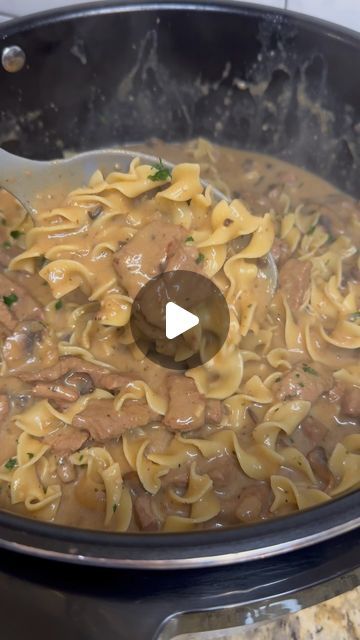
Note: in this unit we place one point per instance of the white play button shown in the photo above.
(186, 332)
(178, 320)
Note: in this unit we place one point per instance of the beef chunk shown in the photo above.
(186, 410)
(4, 407)
(305, 382)
(103, 423)
(313, 430)
(101, 377)
(144, 514)
(145, 255)
(6, 318)
(350, 402)
(253, 502)
(280, 251)
(25, 306)
(213, 411)
(294, 279)
(66, 440)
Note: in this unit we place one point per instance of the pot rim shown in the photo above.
(40, 18)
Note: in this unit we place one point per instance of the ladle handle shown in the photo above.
(28, 179)
(17, 176)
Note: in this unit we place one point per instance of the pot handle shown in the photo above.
(5, 15)
(141, 622)
(162, 605)
(55, 611)
(75, 602)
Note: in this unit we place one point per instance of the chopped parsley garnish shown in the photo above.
(31, 455)
(353, 317)
(200, 258)
(9, 300)
(81, 457)
(58, 305)
(16, 234)
(114, 507)
(161, 172)
(308, 369)
(189, 239)
(11, 464)
(311, 230)
(6, 244)
(330, 238)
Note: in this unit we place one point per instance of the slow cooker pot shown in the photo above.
(260, 79)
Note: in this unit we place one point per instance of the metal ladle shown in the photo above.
(27, 179)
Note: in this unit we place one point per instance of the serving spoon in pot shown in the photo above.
(28, 180)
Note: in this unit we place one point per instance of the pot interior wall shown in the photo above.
(240, 76)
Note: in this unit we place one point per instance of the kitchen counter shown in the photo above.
(335, 619)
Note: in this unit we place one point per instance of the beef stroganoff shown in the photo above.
(93, 434)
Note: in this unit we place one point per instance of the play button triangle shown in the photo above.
(178, 320)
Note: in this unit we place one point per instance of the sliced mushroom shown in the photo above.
(319, 464)
(95, 211)
(66, 470)
(30, 344)
(82, 381)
